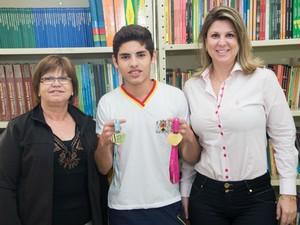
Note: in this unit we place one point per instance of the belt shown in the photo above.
(89, 223)
(229, 186)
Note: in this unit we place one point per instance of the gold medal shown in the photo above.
(174, 139)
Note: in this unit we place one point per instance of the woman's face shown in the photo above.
(55, 88)
(222, 43)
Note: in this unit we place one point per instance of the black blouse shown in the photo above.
(71, 204)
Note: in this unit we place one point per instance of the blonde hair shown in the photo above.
(244, 58)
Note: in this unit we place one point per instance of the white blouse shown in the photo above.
(232, 128)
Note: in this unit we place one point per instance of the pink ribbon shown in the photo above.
(174, 164)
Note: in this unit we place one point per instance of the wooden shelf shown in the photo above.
(296, 113)
(281, 42)
(176, 47)
(32, 55)
(3, 124)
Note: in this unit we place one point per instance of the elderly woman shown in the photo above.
(47, 170)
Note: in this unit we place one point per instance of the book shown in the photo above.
(129, 12)
(109, 18)
(11, 87)
(20, 94)
(27, 83)
(4, 101)
(119, 13)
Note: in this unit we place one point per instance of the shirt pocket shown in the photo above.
(247, 114)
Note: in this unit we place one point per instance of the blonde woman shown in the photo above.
(234, 102)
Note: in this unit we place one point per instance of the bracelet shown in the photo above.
(290, 197)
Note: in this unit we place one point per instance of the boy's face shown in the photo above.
(134, 63)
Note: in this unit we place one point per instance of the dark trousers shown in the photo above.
(166, 215)
(248, 202)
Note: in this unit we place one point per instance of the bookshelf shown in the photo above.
(186, 56)
(78, 55)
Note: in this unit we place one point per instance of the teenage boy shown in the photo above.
(141, 191)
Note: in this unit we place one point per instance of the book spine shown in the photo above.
(11, 87)
(109, 18)
(19, 89)
(4, 101)
(119, 14)
(27, 83)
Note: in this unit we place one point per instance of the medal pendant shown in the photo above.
(174, 139)
(118, 138)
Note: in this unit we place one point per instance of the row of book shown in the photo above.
(288, 77)
(69, 27)
(109, 16)
(177, 77)
(45, 27)
(16, 92)
(94, 80)
(264, 19)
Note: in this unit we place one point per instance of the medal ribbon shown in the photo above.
(116, 159)
(174, 139)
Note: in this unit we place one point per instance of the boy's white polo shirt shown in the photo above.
(144, 156)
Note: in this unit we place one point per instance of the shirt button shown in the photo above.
(226, 177)
(219, 125)
(226, 170)
(221, 133)
(224, 147)
(225, 155)
(218, 106)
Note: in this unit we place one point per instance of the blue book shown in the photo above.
(88, 29)
(115, 75)
(245, 5)
(87, 91)
(95, 26)
(101, 22)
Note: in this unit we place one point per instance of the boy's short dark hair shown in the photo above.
(133, 33)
